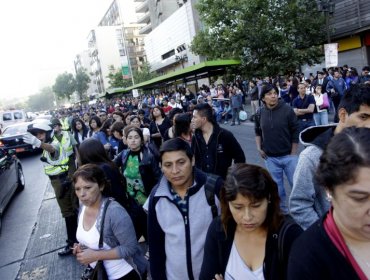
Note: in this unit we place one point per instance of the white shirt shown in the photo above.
(90, 238)
(236, 268)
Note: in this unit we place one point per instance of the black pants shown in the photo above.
(131, 276)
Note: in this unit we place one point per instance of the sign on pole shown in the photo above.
(135, 93)
(331, 55)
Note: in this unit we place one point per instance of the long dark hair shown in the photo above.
(254, 182)
(92, 151)
(182, 124)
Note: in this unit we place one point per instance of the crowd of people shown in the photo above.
(155, 187)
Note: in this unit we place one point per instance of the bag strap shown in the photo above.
(102, 223)
(281, 237)
(209, 188)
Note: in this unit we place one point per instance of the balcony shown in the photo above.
(145, 18)
(143, 8)
(146, 29)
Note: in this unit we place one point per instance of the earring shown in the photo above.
(329, 197)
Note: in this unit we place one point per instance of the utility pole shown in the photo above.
(327, 7)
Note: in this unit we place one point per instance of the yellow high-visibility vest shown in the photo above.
(57, 166)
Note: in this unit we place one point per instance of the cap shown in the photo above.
(33, 128)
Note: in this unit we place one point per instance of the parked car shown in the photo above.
(11, 178)
(11, 117)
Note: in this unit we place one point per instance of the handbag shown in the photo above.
(98, 272)
(243, 115)
(325, 103)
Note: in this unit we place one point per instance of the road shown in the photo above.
(20, 217)
(33, 229)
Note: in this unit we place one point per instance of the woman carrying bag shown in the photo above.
(120, 254)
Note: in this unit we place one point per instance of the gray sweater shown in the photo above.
(119, 233)
(308, 200)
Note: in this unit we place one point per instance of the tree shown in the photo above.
(116, 79)
(64, 86)
(144, 74)
(44, 100)
(82, 83)
(269, 36)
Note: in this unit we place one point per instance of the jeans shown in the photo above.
(277, 166)
(304, 124)
(321, 118)
(236, 115)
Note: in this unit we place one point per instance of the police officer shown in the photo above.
(56, 166)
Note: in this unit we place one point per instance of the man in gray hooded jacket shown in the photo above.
(308, 200)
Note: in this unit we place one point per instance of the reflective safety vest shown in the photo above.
(66, 142)
(65, 124)
(57, 166)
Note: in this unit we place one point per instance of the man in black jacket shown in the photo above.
(276, 130)
(214, 147)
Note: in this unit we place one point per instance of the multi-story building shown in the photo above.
(154, 12)
(350, 25)
(168, 44)
(106, 51)
(83, 62)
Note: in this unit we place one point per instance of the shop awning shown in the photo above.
(208, 68)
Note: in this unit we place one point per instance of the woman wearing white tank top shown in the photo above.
(120, 247)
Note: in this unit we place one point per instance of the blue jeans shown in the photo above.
(321, 118)
(277, 166)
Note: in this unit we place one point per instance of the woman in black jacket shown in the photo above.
(251, 239)
(140, 169)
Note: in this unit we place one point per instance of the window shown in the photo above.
(168, 54)
(7, 117)
(18, 115)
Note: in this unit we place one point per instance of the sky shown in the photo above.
(39, 39)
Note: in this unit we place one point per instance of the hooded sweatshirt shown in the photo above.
(308, 201)
(278, 129)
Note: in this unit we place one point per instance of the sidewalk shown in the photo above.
(41, 260)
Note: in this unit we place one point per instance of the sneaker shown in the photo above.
(225, 122)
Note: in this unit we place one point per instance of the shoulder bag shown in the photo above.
(99, 272)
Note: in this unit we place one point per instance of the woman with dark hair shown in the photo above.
(170, 132)
(338, 245)
(250, 240)
(141, 171)
(95, 125)
(80, 130)
(158, 126)
(136, 121)
(104, 133)
(92, 151)
(121, 254)
(115, 139)
(182, 127)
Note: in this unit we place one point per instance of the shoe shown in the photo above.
(232, 124)
(238, 123)
(225, 122)
(66, 251)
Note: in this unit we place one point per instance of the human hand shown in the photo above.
(218, 277)
(262, 154)
(86, 256)
(28, 138)
(77, 248)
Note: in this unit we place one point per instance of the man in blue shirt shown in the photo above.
(304, 105)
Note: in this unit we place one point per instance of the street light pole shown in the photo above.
(326, 7)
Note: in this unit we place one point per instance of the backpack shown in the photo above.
(209, 188)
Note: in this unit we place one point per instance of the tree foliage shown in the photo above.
(144, 74)
(268, 36)
(82, 83)
(65, 85)
(116, 79)
(44, 100)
